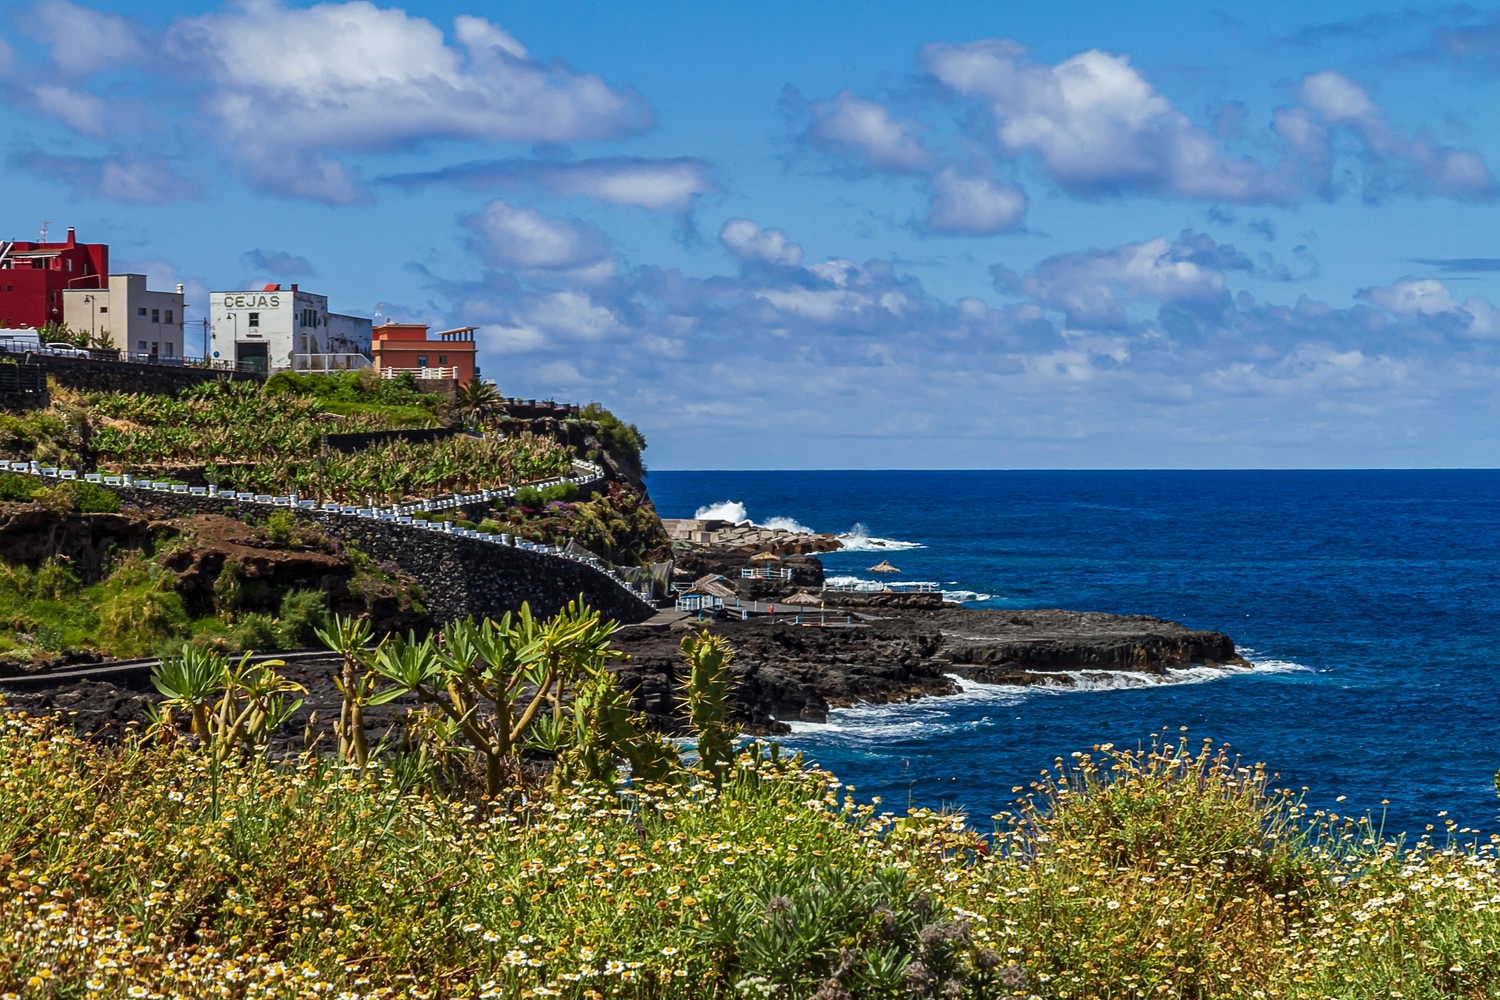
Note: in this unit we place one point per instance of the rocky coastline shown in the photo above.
(792, 671)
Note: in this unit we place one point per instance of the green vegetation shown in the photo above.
(73, 496)
(618, 438)
(146, 601)
(192, 862)
(619, 525)
(266, 438)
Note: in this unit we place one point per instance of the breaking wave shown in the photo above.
(859, 539)
(856, 539)
(724, 510)
(964, 596)
(926, 718)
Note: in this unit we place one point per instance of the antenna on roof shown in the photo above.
(45, 224)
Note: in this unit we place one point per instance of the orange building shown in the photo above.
(399, 347)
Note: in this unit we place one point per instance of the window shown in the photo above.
(442, 359)
(422, 361)
(168, 348)
(169, 316)
(140, 311)
(70, 265)
(103, 310)
(143, 347)
(255, 319)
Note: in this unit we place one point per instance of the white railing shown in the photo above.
(883, 587)
(765, 573)
(396, 513)
(433, 373)
(329, 362)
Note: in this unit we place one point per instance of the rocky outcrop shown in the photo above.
(31, 532)
(791, 672)
(745, 537)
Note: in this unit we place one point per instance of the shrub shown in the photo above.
(618, 437)
(138, 607)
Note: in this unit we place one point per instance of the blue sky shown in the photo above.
(964, 235)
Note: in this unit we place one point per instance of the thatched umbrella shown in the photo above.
(765, 557)
(802, 597)
(883, 566)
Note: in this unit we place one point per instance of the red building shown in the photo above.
(33, 276)
(406, 347)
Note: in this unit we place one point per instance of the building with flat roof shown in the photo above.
(34, 275)
(448, 354)
(285, 329)
(126, 315)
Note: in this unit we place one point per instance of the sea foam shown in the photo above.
(859, 539)
(925, 718)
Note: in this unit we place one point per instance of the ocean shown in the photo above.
(1369, 602)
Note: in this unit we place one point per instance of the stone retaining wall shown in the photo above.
(97, 375)
(462, 576)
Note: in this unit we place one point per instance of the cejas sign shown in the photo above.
(253, 301)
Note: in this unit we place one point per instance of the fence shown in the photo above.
(765, 573)
(329, 362)
(447, 374)
(23, 378)
(397, 513)
(880, 587)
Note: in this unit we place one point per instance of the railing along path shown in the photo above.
(395, 513)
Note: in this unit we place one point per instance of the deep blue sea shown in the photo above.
(1369, 600)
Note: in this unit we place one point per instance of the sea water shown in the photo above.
(1369, 603)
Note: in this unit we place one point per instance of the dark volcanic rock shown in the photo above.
(792, 672)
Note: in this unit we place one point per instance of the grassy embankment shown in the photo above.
(167, 869)
(268, 438)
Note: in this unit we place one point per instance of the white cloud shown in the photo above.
(84, 41)
(747, 241)
(864, 131)
(525, 238)
(1419, 164)
(977, 206)
(664, 185)
(1096, 125)
(1093, 288)
(79, 110)
(1413, 297)
(353, 76)
(7, 58)
(121, 178)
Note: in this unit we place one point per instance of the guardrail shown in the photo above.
(395, 513)
(881, 587)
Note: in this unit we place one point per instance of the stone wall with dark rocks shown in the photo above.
(98, 375)
(349, 443)
(461, 576)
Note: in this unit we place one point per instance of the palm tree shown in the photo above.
(476, 399)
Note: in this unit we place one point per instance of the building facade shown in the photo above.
(276, 329)
(34, 276)
(126, 315)
(407, 347)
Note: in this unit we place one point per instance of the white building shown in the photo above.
(128, 316)
(275, 329)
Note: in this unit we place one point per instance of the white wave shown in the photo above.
(964, 596)
(785, 524)
(859, 539)
(724, 510)
(935, 716)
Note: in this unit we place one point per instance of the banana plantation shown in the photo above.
(242, 435)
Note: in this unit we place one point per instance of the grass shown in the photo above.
(144, 870)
